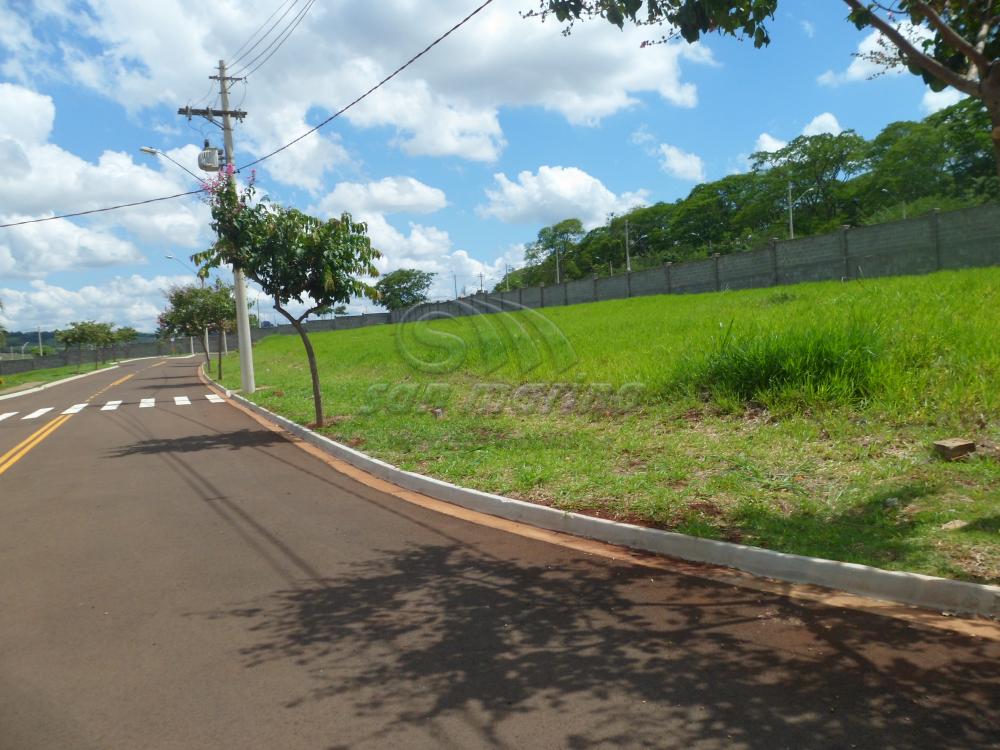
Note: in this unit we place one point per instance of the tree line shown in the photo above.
(944, 161)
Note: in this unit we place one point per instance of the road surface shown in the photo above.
(173, 575)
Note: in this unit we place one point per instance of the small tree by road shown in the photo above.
(293, 257)
(403, 288)
(187, 314)
(125, 336)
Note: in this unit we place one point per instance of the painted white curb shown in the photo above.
(57, 382)
(930, 592)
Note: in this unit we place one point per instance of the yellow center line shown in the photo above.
(18, 452)
(112, 385)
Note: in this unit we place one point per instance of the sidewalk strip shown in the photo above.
(111, 405)
(147, 403)
(76, 408)
(18, 452)
(182, 401)
(37, 413)
(7, 415)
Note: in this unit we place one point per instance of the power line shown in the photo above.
(236, 57)
(290, 29)
(374, 88)
(265, 36)
(101, 210)
(328, 120)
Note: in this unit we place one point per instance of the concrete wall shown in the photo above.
(89, 356)
(957, 239)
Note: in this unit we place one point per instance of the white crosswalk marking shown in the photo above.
(147, 403)
(182, 401)
(38, 412)
(215, 399)
(8, 415)
(76, 408)
(111, 405)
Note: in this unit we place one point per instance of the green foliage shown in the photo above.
(909, 169)
(403, 288)
(292, 256)
(831, 363)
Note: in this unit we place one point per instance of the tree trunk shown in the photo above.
(311, 356)
(204, 346)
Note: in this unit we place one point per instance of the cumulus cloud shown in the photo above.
(388, 195)
(824, 123)
(767, 142)
(681, 164)
(39, 178)
(862, 68)
(808, 28)
(938, 100)
(144, 55)
(133, 300)
(553, 194)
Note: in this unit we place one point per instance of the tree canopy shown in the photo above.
(960, 46)
(944, 161)
(403, 288)
(293, 257)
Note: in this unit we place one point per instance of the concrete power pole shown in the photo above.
(242, 313)
(628, 255)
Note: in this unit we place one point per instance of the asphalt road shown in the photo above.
(176, 576)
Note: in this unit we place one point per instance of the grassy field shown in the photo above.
(11, 383)
(799, 418)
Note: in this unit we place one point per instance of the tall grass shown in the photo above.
(831, 362)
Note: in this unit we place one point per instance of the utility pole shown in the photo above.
(480, 282)
(41, 351)
(557, 264)
(455, 277)
(242, 313)
(628, 255)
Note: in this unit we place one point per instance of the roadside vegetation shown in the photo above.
(31, 378)
(945, 161)
(797, 418)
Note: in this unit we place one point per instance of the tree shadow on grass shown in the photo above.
(877, 531)
(596, 655)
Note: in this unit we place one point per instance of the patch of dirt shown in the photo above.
(333, 421)
(706, 508)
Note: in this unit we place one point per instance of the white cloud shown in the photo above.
(824, 123)
(388, 195)
(681, 164)
(862, 68)
(39, 178)
(553, 194)
(134, 300)
(934, 101)
(143, 55)
(642, 137)
(808, 28)
(767, 142)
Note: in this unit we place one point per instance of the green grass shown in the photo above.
(799, 419)
(10, 383)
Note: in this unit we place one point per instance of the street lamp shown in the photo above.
(156, 152)
(903, 203)
(791, 204)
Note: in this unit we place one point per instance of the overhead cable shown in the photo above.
(237, 56)
(100, 210)
(281, 18)
(291, 28)
(374, 88)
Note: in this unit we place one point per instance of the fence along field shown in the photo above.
(968, 238)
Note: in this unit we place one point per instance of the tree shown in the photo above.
(88, 332)
(403, 288)
(187, 314)
(546, 253)
(125, 336)
(959, 46)
(292, 256)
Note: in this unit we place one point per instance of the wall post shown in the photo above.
(628, 283)
(667, 267)
(773, 247)
(718, 281)
(935, 219)
(844, 248)
(595, 287)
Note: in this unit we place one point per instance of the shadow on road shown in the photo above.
(603, 656)
(247, 438)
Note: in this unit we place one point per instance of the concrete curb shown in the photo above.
(915, 589)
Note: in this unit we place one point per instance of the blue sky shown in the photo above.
(504, 128)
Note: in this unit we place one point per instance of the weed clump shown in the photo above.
(781, 367)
